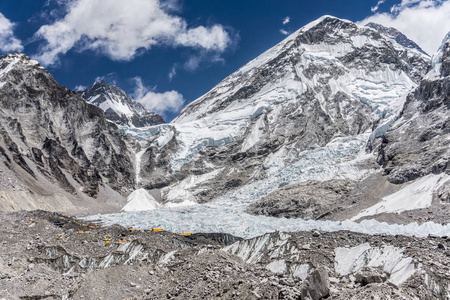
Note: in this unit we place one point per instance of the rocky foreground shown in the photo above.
(50, 256)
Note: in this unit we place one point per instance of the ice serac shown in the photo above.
(418, 143)
(119, 107)
(330, 81)
(52, 141)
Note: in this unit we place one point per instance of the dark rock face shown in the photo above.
(419, 142)
(48, 129)
(416, 62)
(119, 107)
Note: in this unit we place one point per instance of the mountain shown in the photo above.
(57, 151)
(119, 107)
(313, 102)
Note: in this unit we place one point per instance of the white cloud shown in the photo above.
(80, 88)
(8, 42)
(161, 103)
(284, 32)
(121, 28)
(426, 22)
(214, 38)
(376, 7)
(286, 20)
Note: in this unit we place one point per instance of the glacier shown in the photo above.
(226, 214)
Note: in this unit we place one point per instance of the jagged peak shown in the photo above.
(326, 19)
(102, 83)
(119, 106)
(15, 55)
(107, 90)
(323, 20)
(11, 60)
(396, 36)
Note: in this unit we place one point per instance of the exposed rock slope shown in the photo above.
(119, 107)
(52, 140)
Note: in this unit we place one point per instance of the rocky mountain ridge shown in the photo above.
(55, 143)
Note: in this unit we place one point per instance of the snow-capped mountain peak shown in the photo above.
(119, 107)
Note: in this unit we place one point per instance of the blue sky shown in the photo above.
(167, 53)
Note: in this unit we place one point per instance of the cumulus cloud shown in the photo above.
(426, 22)
(286, 20)
(8, 42)
(284, 32)
(161, 103)
(122, 28)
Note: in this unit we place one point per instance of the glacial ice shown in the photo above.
(337, 160)
(209, 218)
(141, 200)
(300, 271)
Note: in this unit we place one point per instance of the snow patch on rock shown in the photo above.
(416, 195)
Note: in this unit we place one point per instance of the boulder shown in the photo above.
(316, 286)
